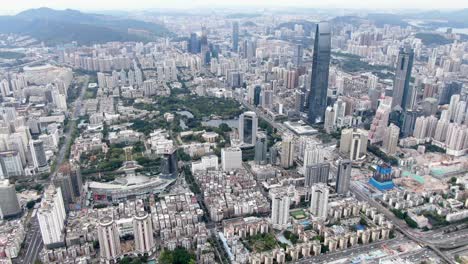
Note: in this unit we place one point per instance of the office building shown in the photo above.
(401, 85)
(320, 70)
(235, 36)
(257, 95)
(194, 44)
(280, 203)
(9, 205)
(51, 216)
(38, 155)
(261, 148)
(390, 140)
(169, 167)
(143, 232)
(316, 173)
(248, 124)
(298, 54)
(231, 158)
(109, 240)
(409, 120)
(353, 143)
(249, 49)
(204, 48)
(11, 165)
(343, 176)
(448, 90)
(64, 182)
(319, 201)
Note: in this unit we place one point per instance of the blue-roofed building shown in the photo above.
(382, 178)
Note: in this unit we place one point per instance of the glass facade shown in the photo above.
(320, 71)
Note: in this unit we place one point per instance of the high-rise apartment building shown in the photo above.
(51, 216)
(313, 154)
(143, 232)
(380, 121)
(390, 139)
(319, 200)
(109, 240)
(287, 152)
(280, 203)
(320, 71)
(316, 173)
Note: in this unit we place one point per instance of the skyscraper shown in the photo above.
(169, 166)
(380, 121)
(257, 93)
(343, 177)
(10, 164)
(280, 209)
(9, 205)
(287, 152)
(143, 230)
(204, 48)
(401, 85)
(235, 36)
(298, 54)
(390, 139)
(231, 158)
(409, 120)
(248, 123)
(320, 70)
(261, 147)
(38, 155)
(354, 143)
(64, 182)
(312, 155)
(51, 216)
(194, 44)
(316, 173)
(109, 240)
(319, 200)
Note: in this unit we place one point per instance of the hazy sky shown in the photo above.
(11, 6)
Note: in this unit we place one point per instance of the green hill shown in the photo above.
(62, 26)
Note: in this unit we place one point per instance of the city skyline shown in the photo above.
(222, 135)
(141, 5)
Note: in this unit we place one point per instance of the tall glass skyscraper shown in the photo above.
(320, 70)
(401, 86)
(248, 123)
(235, 36)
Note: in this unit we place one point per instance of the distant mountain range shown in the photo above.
(431, 19)
(62, 26)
